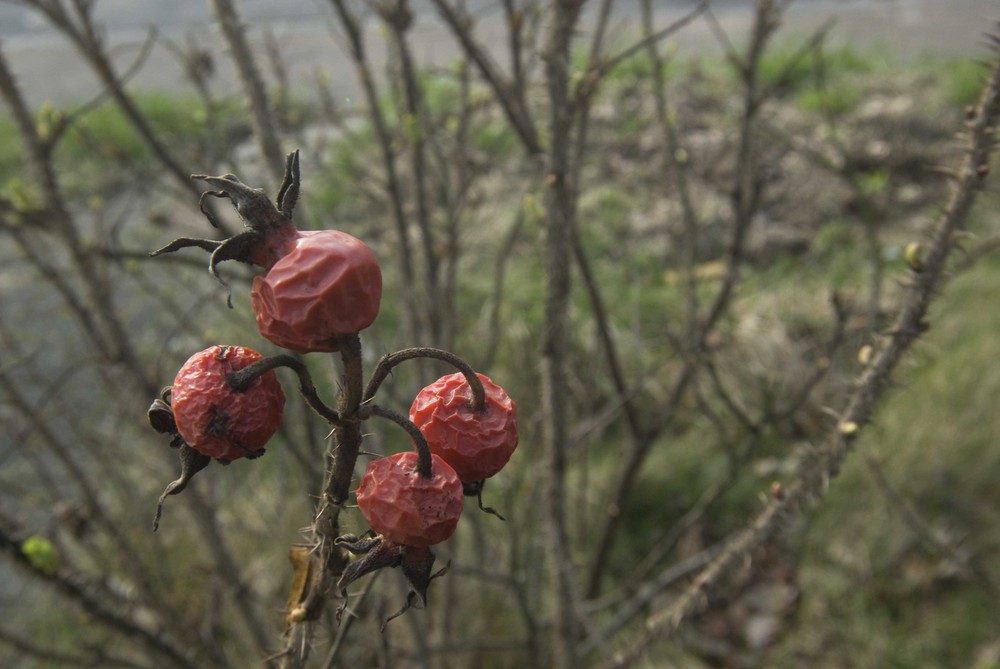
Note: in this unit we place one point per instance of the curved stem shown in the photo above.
(385, 365)
(240, 380)
(419, 441)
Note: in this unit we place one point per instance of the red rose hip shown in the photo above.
(317, 287)
(476, 445)
(327, 284)
(407, 508)
(214, 419)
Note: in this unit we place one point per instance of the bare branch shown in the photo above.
(826, 461)
(253, 86)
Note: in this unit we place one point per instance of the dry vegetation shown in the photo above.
(741, 445)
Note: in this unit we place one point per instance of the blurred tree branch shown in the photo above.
(825, 461)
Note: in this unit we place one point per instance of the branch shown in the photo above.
(330, 559)
(398, 19)
(241, 380)
(652, 39)
(511, 96)
(389, 361)
(385, 142)
(826, 461)
(50, 656)
(560, 222)
(253, 85)
(745, 197)
(76, 589)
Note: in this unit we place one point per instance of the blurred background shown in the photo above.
(752, 188)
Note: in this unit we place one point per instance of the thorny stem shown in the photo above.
(827, 459)
(354, 406)
(240, 380)
(419, 441)
(340, 460)
(386, 364)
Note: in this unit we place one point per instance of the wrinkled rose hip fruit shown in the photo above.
(218, 421)
(406, 508)
(326, 285)
(476, 445)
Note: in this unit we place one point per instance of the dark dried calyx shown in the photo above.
(261, 220)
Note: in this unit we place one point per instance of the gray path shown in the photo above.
(49, 69)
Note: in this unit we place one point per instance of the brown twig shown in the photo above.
(88, 40)
(512, 97)
(341, 456)
(253, 86)
(389, 361)
(745, 197)
(398, 19)
(241, 380)
(394, 187)
(826, 461)
(420, 442)
(560, 221)
(76, 589)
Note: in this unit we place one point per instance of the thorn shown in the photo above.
(865, 355)
(848, 429)
(913, 255)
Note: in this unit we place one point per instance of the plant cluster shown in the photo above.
(317, 291)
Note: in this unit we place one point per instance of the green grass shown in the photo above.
(874, 593)
(961, 78)
(789, 70)
(105, 132)
(830, 100)
(11, 158)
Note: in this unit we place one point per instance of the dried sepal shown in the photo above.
(192, 462)
(416, 563)
(288, 194)
(160, 415)
(475, 489)
(260, 218)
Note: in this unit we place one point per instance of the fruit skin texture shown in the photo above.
(217, 421)
(327, 284)
(406, 508)
(477, 446)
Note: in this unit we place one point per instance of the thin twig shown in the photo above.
(826, 461)
(389, 361)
